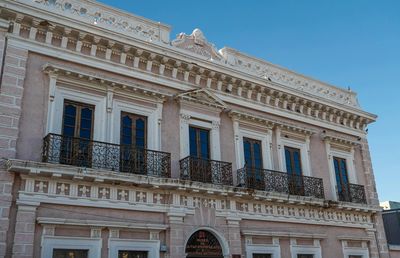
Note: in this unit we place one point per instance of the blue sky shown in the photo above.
(353, 43)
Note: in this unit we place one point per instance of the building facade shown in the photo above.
(119, 142)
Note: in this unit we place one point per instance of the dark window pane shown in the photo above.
(262, 256)
(132, 254)
(70, 253)
(127, 121)
(305, 256)
(297, 162)
(86, 113)
(293, 161)
(140, 124)
(69, 131)
(288, 158)
(252, 153)
(85, 134)
(70, 110)
(199, 142)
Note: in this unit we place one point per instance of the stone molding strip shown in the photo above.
(100, 223)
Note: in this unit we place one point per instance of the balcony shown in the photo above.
(281, 182)
(353, 193)
(100, 155)
(206, 171)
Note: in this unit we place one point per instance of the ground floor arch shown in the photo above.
(206, 242)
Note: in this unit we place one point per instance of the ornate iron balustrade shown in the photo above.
(281, 182)
(94, 154)
(206, 170)
(352, 193)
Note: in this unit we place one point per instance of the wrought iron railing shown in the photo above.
(94, 154)
(352, 193)
(206, 170)
(281, 182)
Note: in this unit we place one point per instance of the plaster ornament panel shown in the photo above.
(198, 44)
(105, 17)
(287, 78)
(41, 186)
(63, 189)
(204, 97)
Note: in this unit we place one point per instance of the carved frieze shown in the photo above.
(97, 14)
(154, 200)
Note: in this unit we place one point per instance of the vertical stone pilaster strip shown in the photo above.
(25, 230)
(380, 246)
(234, 239)
(175, 237)
(12, 80)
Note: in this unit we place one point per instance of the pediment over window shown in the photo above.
(197, 43)
(203, 97)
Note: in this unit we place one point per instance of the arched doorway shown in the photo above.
(202, 244)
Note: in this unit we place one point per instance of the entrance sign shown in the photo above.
(203, 244)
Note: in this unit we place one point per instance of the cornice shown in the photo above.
(100, 223)
(95, 78)
(166, 65)
(269, 123)
(282, 234)
(340, 140)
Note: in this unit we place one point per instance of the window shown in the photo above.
(262, 256)
(305, 256)
(70, 253)
(293, 168)
(132, 254)
(133, 143)
(253, 163)
(77, 131)
(252, 153)
(342, 179)
(355, 256)
(199, 141)
(133, 130)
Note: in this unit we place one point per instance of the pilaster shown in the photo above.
(235, 244)
(24, 230)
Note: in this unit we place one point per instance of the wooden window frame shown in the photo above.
(291, 149)
(80, 106)
(134, 118)
(252, 141)
(198, 141)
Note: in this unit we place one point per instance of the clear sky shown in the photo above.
(348, 43)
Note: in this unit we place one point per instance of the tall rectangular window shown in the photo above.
(294, 170)
(252, 153)
(342, 179)
(253, 163)
(133, 140)
(199, 142)
(77, 131)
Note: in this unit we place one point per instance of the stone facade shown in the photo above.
(64, 194)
